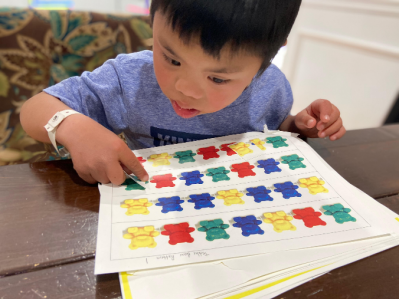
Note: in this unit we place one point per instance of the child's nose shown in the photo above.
(188, 88)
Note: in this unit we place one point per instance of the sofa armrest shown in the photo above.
(40, 48)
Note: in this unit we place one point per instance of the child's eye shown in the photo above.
(170, 60)
(218, 81)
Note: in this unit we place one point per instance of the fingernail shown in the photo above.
(323, 135)
(333, 138)
(145, 178)
(327, 117)
(309, 123)
(321, 127)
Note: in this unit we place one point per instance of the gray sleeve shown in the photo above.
(97, 94)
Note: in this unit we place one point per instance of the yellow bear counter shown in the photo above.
(141, 237)
(136, 206)
(280, 220)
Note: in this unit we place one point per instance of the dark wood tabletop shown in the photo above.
(49, 217)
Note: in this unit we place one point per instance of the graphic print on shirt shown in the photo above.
(164, 137)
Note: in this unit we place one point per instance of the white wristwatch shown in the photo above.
(52, 125)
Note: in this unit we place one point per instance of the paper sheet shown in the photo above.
(270, 274)
(271, 287)
(202, 281)
(192, 171)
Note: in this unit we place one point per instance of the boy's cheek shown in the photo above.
(164, 78)
(219, 100)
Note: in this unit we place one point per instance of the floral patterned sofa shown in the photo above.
(39, 48)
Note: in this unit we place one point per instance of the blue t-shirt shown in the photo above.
(123, 95)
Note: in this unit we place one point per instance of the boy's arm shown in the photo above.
(97, 153)
(320, 119)
(37, 111)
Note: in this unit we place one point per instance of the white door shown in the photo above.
(346, 51)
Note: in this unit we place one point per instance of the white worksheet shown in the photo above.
(227, 197)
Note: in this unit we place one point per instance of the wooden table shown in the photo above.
(48, 226)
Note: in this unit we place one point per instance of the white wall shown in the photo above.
(110, 6)
(346, 51)
(14, 3)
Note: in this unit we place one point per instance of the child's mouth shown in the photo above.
(185, 113)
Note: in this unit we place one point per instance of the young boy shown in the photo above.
(209, 75)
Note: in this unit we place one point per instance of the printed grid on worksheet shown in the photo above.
(244, 185)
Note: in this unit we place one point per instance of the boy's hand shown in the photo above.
(320, 119)
(98, 154)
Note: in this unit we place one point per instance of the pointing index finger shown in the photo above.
(130, 161)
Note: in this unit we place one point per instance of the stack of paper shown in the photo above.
(249, 215)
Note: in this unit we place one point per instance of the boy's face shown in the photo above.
(193, 81)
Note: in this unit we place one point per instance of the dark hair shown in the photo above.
(259, 27)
